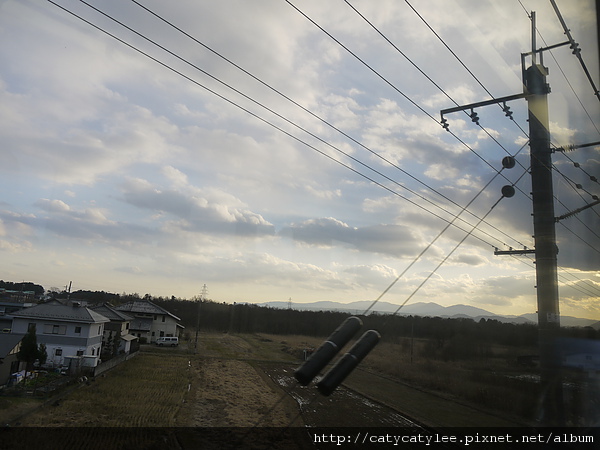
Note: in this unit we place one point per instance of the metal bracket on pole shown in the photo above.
(525, 251)
(577, 211)
(471, 106)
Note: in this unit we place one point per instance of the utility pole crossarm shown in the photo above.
(484, 103)
(525, 251)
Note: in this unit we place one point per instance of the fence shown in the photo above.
(101, 368)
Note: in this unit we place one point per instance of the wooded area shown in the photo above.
(454, 338)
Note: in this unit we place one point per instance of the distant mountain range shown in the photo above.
(431, 310)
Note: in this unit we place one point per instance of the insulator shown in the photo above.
(595, 197)
(508, 162)
(579, 186)
(508, 191)
(326, 352)
(593, 178)
(474, 117)
(444, 123)
(507, 111)
(576, 164)
(347, 363)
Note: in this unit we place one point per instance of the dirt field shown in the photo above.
(235, 385)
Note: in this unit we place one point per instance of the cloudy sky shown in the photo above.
(272, 153)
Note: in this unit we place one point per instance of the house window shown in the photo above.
(155, 318)
(163, 318)
(77, 330)
(153, 333)
(58, 352)
(162, 334)
(127, 326)
(55, 329)
(100, 329)
(93, 351)
(79, 352)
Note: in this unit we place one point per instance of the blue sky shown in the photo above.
(121, 175)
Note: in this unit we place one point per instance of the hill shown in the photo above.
(427, 309)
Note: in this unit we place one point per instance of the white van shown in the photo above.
(172, 341)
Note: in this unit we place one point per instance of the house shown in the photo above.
(9, 364)
(6, 310)
(150, 321)
(117, 328)
(72, 334)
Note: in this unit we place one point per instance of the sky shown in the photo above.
(278, 150)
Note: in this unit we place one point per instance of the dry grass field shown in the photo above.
(227, 382)
(146, 391)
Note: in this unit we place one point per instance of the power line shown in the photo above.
(259, 117)
(466, 67)
(328, 123)
(575, 48)
(304, 130)
(428, 77)
(561, 276)
(429, 246)
(453, 53)
(443, 261)
(239, 106)
(577, 52)
(574, 185)
(419, 107)
(577, 165)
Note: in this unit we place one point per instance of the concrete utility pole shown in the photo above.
(544, 237)
(535, 91)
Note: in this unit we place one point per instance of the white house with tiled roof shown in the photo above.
(72, 334)
(118, 328)
(150, 321)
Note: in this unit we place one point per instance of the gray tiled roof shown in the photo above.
(111, 313)
(61, 313)
(8, 342)
(145, 307)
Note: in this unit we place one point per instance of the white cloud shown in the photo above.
(133, 175)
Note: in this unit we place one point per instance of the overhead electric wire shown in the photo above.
(469, 233)
(308, 132)
(469, 71)
(574, 185)
(395, 88)
(489, 93)
(577, 165)
(575, 48)
(443, 261)
(158, 16)
(434, 240)
(583, 289)
(389, 41)
(254, 114)
(560, 67)
(475, 77)
(561, 275)
(460, 61)
(260, 118)
(354, 140)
